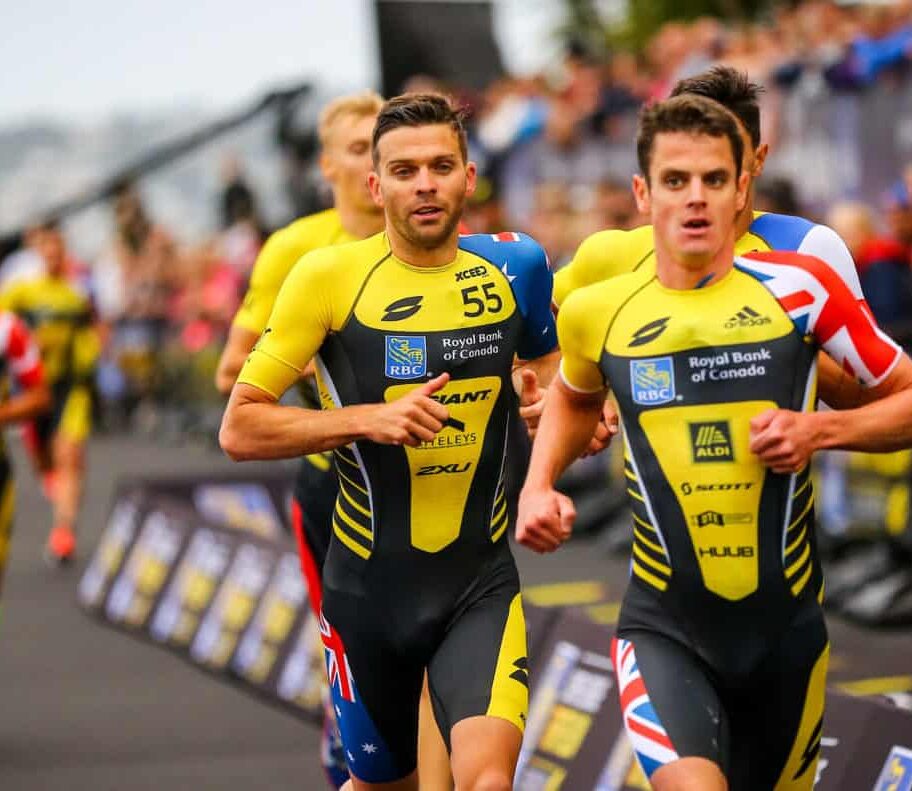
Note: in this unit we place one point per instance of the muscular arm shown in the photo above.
(836, 388)
(240, 342)
(255, 426)
(25, 405)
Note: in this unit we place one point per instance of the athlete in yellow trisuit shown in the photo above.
(415, 348)
(61, 319)
(344, 129)
(721, 648)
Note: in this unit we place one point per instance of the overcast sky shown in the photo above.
(83, 61)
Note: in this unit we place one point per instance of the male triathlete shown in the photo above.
(61, 319)
(721, 648)
(415, 332)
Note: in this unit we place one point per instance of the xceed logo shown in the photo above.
(896, 774)
(747, 317)
(649, 332)
(652, 381)
(711, 441)
(468, 274)
(402, 308)
(406, 356)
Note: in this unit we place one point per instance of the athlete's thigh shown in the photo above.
(315, 491)
(75, 423)
(777, 727)
(670, 707)
(374, 690)
(480, 668)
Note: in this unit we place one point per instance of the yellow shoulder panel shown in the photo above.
(603, 255)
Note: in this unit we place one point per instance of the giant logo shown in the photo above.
(406, 356)
(711, 441)
(652, 381)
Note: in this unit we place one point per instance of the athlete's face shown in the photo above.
(346, 162)
(692, 195)
(422, 181)
(50, 246)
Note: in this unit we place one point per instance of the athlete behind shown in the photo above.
(721, 647)
(613, 252)
(24, 397)
(61, 318)
(414, 334)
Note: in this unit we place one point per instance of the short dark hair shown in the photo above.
(686, 113)
(419, 109)
(733, 90)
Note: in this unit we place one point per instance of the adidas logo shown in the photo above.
(746, 317)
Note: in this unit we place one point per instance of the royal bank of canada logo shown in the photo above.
(406, 356)
(711, 441)
(652, 381)
(896, 774)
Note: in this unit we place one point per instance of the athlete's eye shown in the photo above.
(358, 148)
(673, 181)
(402, 172)
(717, 179)
(444, 167)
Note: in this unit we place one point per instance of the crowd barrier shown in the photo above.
(179, 565)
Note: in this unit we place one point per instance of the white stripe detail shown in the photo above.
(353, 447)
(646, 501)
(7, 321)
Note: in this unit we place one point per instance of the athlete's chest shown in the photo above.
(731, 341)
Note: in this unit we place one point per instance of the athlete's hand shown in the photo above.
(412, 419)
(545, 519)
(783, 440)
(531, 399)
(605, 429)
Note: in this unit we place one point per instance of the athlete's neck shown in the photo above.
(416, 255)
(358, 223)
(745, 217)
(682, 273)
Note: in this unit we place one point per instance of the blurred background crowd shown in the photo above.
(555, 154)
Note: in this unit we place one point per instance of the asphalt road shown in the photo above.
(88, 707)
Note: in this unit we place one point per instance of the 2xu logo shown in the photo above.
(402, 308)
(444, 469)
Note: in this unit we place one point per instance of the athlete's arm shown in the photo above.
(24, 363)
(239, 344)
(256, 427)
(573, 409)
(784, 440)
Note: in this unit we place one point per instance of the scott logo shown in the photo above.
(649, 332)
(444, 469)
(737, 486)
(711, 441)
(402, 308)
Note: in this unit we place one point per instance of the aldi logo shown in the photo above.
(897, 772)
(406, 356)
(711, 441)
(652, 382)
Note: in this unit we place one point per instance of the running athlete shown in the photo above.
(415, 332)
(25, 396)
(61, 319)
(721, 647)
(612, 252)
(344, 129)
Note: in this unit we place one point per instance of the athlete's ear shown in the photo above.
(327, 166)
(744, 181)
(641, 193)
(373, 184)
(760, 159)
(471, 179)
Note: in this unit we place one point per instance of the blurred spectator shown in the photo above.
(776, 195)
(883, 267)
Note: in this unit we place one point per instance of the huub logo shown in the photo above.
(402, 308)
